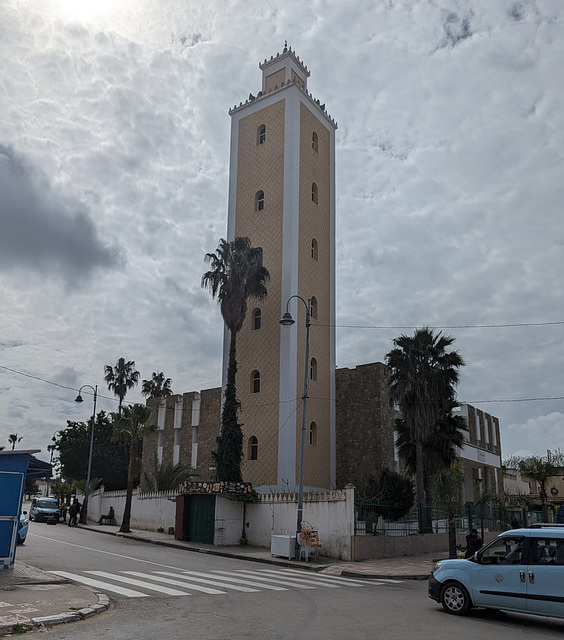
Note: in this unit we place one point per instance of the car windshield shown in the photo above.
(47, 504)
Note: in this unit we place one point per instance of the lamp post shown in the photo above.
(288, 321)
(84, 514)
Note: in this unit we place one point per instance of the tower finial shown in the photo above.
(285, 46)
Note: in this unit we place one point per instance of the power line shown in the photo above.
(454, 326)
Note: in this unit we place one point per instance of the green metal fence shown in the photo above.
(373, 518)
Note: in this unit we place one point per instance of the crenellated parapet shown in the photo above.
(309, 496)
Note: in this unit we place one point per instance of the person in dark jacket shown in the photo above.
(560, 514)
(74, 512)
(473, 543)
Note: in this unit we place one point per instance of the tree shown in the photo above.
(109, 458)
(121, 378)
(422, 382)
(236, 274)
(446, 488)
(166, 476)
(539, 469)
(157, 387)
(388, 488)
(13, 440)
(440, 449)
(131, 426)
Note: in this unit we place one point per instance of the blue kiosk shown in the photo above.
(14, 467)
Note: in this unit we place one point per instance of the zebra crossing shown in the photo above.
(139, 584)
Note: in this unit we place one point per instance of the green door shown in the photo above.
(201, 519)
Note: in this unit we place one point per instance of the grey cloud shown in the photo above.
(42, 229)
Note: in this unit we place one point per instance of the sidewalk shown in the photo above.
(31, 598)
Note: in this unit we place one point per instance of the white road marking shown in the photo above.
(139, 583)
(195, 587)
(278, 579)
(193, 578)
(235, 580)
(323, 579)
(104, 586)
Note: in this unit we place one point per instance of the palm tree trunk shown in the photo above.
(126, 520)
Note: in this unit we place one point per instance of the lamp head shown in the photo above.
(287, 320)
(78, 398)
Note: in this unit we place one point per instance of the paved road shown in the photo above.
(270, 603)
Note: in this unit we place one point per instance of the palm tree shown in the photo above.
(236, 274)
(166, 476)
(121, 378)
(13, 440)
(440, 449)
(131, 425)
(422, 382)
(539, 469)
(157, 387)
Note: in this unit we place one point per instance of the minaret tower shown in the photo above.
(282, 196)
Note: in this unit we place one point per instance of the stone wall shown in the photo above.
(364, 430)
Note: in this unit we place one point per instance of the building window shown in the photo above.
(314, 141)
(313, 369)
(259, 201)
(313, 434)
(252, 453)
(314, 307)
(261, 134)
(314, 192)
(255, 382)
(257, 319)
(314, 249)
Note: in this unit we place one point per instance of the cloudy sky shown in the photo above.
(114, 142)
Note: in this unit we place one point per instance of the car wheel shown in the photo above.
(20, 540)
(455, 599)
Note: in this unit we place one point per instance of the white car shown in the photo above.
(521, 570)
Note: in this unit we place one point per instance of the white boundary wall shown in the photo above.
(332, 513)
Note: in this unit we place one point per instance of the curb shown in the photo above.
(39, 624)
(383, 576)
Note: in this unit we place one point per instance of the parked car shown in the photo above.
(44, 509)
(521, 570)
(23, 526)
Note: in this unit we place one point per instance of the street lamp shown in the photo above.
(288, 321)
(84, 514)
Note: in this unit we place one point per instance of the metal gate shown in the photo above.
(201, 518)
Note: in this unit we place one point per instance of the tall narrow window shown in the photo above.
(313, 369)
(252, 453)
(314, 249)
(259, 201)
(255, 382)
(314, 192)
(314, 141)
(314, 307)
(257, 319)
(313, 434)
(261, 134)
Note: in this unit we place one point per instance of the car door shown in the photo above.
(545, 577)
(498, 580)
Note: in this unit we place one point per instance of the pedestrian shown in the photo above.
(74, 512)
(560, 514)
(111, 516)
(64, 512)
(473, 543)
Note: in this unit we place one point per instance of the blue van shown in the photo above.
(521, 570)
(44, 509)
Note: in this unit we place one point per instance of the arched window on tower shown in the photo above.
(314, 141)
(313, 369)
(257, 319)
(314, 192)
(314, 249)
(252, 448)
(255, 382)
(313, 307)
(313, 434)
(261, 134)
(259, 201)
